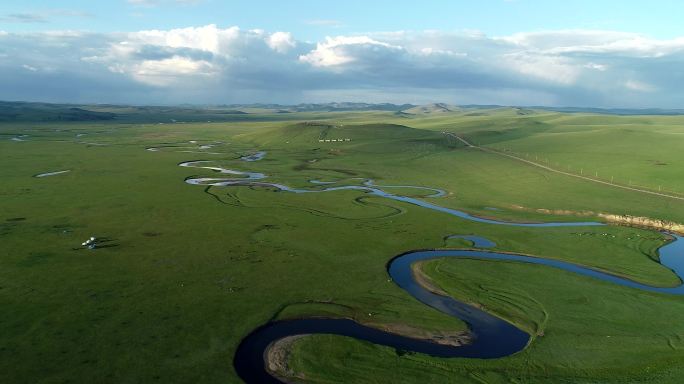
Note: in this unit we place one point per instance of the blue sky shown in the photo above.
(524, 52)
(312, 20)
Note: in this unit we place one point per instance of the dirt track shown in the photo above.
(484, 149)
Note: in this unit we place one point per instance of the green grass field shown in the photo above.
(188, 270)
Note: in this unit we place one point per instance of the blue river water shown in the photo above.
(491, 337)
(368, 186)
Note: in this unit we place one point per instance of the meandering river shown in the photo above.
(492, 337)
(369, 186)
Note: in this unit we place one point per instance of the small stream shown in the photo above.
(368, 186)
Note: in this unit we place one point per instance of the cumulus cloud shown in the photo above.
(550, 68)
(344, 50)
(208, 64)
(196, 57)
(281, 42)
(167, 71)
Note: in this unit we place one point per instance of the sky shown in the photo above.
(510, 52)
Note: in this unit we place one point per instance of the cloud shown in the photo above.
(168, 71)
(281, 42)
(24, 18)
(553, 69)
(596, 66)
(335, 52)
(639, 86)
(44, 16)
(208, 64)
(596, 42)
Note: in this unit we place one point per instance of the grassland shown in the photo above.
(190, 270)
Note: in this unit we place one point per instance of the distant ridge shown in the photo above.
(602, 111)
(20, 111)
(431, 108)
(322, 107)
(12, 111)
(615, 111)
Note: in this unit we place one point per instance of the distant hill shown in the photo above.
(46, 112)
(614, 111)
(322, 107)
(18, 111)
(601, 111)
(30, 111)
(431, 108)
(312, 131)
